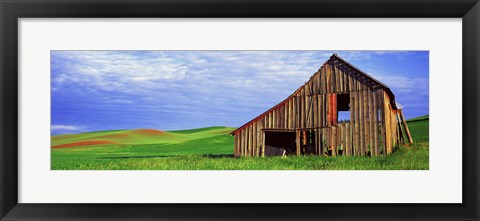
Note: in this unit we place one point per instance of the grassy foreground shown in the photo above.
(211, 149)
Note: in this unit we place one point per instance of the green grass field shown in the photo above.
(212, 149)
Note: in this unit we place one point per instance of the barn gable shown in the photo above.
(334, 72)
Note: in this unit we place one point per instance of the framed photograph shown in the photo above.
(230, 110)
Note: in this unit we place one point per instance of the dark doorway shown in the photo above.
(284, 140)
(308, 140)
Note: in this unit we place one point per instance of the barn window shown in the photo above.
(343, 107)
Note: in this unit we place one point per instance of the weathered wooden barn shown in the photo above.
(306, 122)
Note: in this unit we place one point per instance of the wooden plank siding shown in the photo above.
(375, 126)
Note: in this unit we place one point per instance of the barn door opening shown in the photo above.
(308, 141)
(279, 143)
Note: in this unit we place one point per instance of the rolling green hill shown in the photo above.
(138, 136)
(211, 148)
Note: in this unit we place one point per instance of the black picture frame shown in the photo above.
(12, 10)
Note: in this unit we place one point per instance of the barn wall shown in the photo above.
(373, 122)
(396, 127)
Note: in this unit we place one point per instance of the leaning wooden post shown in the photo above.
(405, 126)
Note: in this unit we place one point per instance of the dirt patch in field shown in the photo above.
(149, 132)
(84, 143)
(113, 136)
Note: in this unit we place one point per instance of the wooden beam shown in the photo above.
(244, 142)
(297, 141)
(302, 108)
(322, 138)
(235, 145)
(375, 125)
(342, 137)
(370, 122)
(263, 143)
(405, 125)
(328, 103)
(304, 137)
(367, 120)
(294, 112)
(388, 125)
(334, 109)
(251, 141)
(382, 124)
(356, 123)
(322, 110)
(362, 122)
(333, 144)
(346, 150)
(247, 141)
(254, 140)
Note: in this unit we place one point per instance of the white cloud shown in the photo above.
(404, 84)
(59, 127)
(181, 76)
(119, 101)
(111, 70)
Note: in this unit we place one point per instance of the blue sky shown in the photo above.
(170, 90)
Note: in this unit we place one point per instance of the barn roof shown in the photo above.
(332, 58)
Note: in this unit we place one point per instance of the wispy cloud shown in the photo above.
(404, 84)
(72, 128)
(172, 89)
